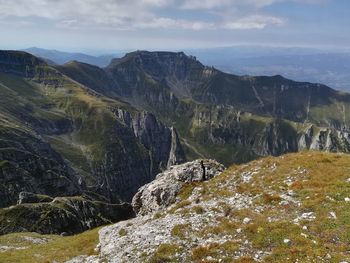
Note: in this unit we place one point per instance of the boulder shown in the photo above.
(163, 190)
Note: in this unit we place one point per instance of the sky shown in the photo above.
(110, 25)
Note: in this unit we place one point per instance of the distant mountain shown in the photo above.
(327, 67)
(223, 116)
(59, 57)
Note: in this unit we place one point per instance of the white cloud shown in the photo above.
(141, 14)
(209, 4)
(254, 22)
(164, 22)
(204, 4)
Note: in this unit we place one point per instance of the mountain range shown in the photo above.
(76, 139)
(330, 67)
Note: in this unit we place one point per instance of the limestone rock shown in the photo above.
(163, 190)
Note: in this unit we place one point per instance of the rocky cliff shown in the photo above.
(162, 142)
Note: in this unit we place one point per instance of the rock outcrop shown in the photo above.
(162, 192)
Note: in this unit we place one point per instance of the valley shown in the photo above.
(78, 141)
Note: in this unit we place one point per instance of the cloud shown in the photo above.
(254, 22)
(143, 14)
(210, 4)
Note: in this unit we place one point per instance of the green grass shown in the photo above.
(59, 249)
(165, 253)
(71, 152)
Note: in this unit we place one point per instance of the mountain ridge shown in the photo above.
(195, 98)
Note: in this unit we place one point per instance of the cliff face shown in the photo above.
(250, 136)
(162, 142)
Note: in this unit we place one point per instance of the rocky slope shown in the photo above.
(60, 138)
(293, 208)
(222, 116)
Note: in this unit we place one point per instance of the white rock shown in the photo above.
(162, 192)
(333, 215)
(287, 241)
(304, 235)
(347, 199)
(247, 220)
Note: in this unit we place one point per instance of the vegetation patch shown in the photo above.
(54, 249)
(165, 253)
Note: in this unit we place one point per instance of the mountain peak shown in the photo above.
(140, 56)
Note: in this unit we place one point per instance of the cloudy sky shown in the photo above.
(106, 25)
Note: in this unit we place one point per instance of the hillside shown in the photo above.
(59, 138)
(230, 118)
(293, 208)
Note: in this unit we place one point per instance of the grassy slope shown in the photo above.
(90, 116)
(317, 182)
(57, 248)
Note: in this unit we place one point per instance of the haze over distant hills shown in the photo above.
(328, 67)
(60, 57)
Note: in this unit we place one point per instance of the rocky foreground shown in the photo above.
(293, 208)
